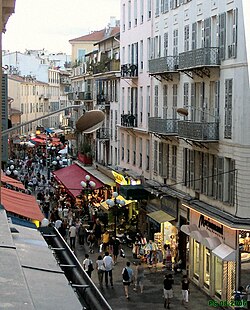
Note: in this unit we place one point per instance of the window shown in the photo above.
(140, 154)
(129, 14)
(155, 157)
(147, 154)
(123, 17)
(207, 32)
(141, 104)
(220, 178)
(218, 276)
(128, 148)
(22, 107)
(122, 145)
(194, 36)
(229, 182)
(164, 6)
(157, 7)
(232, 33)
(149, 9)
(115, 125)
(156, 105)
(123, 100)
(141, 55)
(165, 44)
(196, 257)
(81, 55)
(163, 159)
(165, 102)
(141, 10)
(31, 107)
(186, 38)
(135, 13)
(175, 42)
(175, 101)
(174, 162)
(207, 267)
(228, 108)
(134, 150)
(129, 100)
(185, 94)
(148, 101)
(111, 124)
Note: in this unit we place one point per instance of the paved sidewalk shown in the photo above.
(152, 297)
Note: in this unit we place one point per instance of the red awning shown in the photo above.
(72, 176)
(21, 204)
(13, 182)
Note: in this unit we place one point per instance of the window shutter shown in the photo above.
(228, 109)
(155, 156)
(194, 40)
(202, 34)
(193, 110)
(160, 157)
(222, 35)
(234, 41)
(166, 44)
(156, 101)
(205, 173)
(207, 35)
(217, 98)
(162, 6)
(192, 168)
(231, 183)
(165, 102)
(215, 177)
(220, 178)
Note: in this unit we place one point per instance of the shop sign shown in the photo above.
(119, 178)
(211, 226)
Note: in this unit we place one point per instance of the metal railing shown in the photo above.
(201, 57)
(106, 66)
(129, 120)
(199, 131)
(102, 99)
(103, 133)
(88, 294)
(129, 70)
(163, 64)
(163, 125)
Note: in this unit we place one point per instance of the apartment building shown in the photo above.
(185, 94)
(30, 97)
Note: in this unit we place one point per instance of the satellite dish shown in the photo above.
(90, 121)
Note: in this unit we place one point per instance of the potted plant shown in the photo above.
(85, 154)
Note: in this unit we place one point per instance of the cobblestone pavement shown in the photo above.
(152, 297)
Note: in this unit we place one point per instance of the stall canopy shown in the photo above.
(160, 216)
(133, 192)
(71, 178)
(225, 252)
(21, 204)
(13, 182)
(211, 243)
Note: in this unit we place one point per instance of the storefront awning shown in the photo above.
(21, 204)
(225, 252)
(13, 182)
(106, 207)
(99, 175)
(72, 176)
(133, 192)
(211, 243)
(187, 229)
(160, 216)
(198, 235)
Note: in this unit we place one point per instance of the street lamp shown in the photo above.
(184, 111)
(11, 171)
(115, 203)
(87, 186)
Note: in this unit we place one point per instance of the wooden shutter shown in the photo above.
(220, 178)
(160, 159)
(222, 35)
(191, 168)
(194, 36)
(207, 34)
(228, 109)
(166, 44)
(215, 177)
(205, 173)
(234, 33)
(231, 183)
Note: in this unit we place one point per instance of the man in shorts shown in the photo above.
(127, 277)
(168, 290)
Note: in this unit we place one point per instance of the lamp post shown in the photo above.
(11, 171)
(87, 186)
(115, 203)
(184, 111)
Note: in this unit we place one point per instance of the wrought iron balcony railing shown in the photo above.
(163, 125)
(107, 66)
(163, 64)
(129, 120)
(199, 131)
(102, 99)
(129, 71)
(201, 57)
(103, 134)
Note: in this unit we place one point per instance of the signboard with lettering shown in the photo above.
(119, 178)
(207, 223)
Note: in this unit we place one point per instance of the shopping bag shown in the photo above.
(122, 253)
(100, 248)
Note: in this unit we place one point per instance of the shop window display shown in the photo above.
(244, 242)
(196, 260)
(218, 276)
(206, 267)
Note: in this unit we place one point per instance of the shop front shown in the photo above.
(212, 255)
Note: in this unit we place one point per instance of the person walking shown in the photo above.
(97, 228)
(100, 269)
(168, 290)
(115, 244)
(91, 241)
(108, 264)
(72, 236)
(88, 265)
(81, 234)
(105, 241)
(139, 277)
(127, 278)
(185, 289)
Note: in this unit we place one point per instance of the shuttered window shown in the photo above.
(222, 35)
(220, 178)
(165, 102)
(175, 87)
(194, 36)
(228, 108)
(156, 105)
(155, 156)
(174, 162)
(186, 38)
(165, 42)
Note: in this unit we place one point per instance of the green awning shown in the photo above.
(160, 216)
(133, 192)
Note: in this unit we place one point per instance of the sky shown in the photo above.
(50, 24)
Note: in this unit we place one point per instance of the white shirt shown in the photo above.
(108, 263)
(72, 231)
(86, 263)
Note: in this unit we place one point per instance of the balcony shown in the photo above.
(106, 66)
(199, 131)
(129, 71)
(200, 58)
(163, 65)
(163, 126)
(103, 134)
(129, 120)
(102, 99)
(87, 96)
(65, 81)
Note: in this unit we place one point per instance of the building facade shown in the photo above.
(185, 94)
